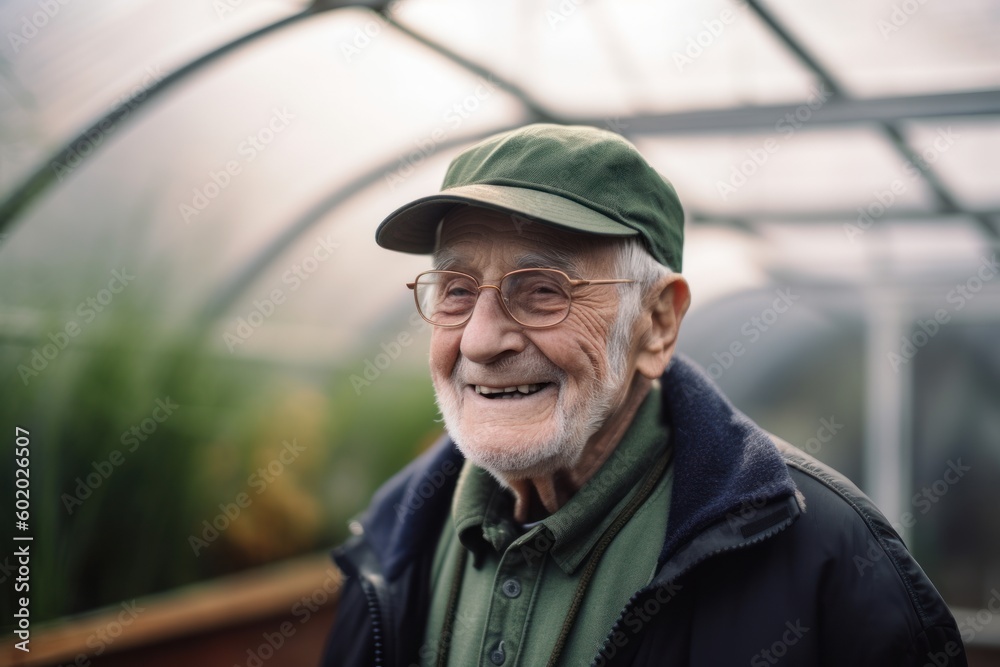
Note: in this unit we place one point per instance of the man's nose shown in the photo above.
(490, 333)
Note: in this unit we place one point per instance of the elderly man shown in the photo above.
(596, 499)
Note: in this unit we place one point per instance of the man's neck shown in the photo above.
(537, 497)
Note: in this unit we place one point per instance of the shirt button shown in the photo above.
(497, 655)
(511, 588)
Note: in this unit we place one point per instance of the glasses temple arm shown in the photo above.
(609, 281)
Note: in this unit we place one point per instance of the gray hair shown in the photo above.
(632, 261)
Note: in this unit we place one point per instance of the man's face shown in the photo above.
(572, 386)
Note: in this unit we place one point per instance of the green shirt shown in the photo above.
(519, 581)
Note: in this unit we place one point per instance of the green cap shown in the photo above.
(572, 177)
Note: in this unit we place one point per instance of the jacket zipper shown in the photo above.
(767, 534)
(372, 597)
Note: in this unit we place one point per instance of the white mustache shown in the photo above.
(508, 372)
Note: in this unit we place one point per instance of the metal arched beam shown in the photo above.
(947, 203)
(225, 296)
(81, 148)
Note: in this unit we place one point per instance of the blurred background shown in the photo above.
(216, 366)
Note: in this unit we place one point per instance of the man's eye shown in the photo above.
(458, 291)
(541, 287)
(454, 290)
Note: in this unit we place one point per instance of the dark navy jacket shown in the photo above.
(769, 558)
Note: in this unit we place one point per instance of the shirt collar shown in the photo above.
(483, 509)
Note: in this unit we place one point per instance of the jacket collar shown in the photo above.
(723, 461)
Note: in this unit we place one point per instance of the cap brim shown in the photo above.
(413, 227)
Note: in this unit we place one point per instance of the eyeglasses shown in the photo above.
(534, 298)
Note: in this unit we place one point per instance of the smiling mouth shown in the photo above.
(518, 391)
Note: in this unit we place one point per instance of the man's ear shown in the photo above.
(665, 306)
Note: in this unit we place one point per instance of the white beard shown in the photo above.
(554, 448)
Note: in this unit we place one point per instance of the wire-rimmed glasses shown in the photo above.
(534, 298)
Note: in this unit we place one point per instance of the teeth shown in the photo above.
(521, 388)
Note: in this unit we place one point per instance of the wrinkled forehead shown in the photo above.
(475, 239)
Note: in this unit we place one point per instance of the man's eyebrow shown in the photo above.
(447, 259)
(548, 259)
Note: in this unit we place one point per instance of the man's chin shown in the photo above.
(533, 459)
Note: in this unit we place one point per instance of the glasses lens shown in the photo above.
(536, 298)
(446, 298)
